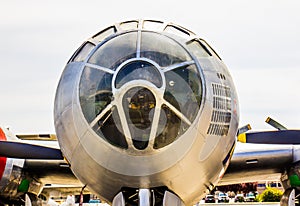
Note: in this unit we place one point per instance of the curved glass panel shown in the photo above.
(84, 51)
(109, 128)
(177, 31)
(129, 25)
(115, 51)
(140, 49)
(105, 33)
(138, 70)
(95, 96)
(95, 92)
(197, 49)
(170, 127)
(211, 50)
(138, 105)
(161, 49)
(183, 90)
(153, 25)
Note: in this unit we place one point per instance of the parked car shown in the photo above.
(239, 198)
(222, 197)
(250, 197)
(209, 199)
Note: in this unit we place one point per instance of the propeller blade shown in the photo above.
(244, 129)
(28, 151)
(44, 137)
(275, 124)
(271, 137)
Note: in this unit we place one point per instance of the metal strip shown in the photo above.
(104, 69)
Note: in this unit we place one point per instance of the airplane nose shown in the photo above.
(140, 90)
(141, 104)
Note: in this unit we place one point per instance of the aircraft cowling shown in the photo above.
(13, 181)
(290, 180)
(291, 177)
(145, 104)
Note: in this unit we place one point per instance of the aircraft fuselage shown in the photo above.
(144, 104)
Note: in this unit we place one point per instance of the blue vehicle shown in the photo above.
(223, 197)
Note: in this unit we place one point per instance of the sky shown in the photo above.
(259, 41)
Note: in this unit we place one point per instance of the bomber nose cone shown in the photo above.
(140, 90)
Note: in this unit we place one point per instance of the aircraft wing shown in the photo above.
(266, 156)
(31, 163)
(258, 162)
(51, 172)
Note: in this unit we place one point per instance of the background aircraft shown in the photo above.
(146, 113)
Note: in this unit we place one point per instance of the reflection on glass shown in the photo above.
(109, 128)
(177, 31)
(138, 105)
(197, 49)
(95, 92)
(170, 127)
(114, 52)
(208, 47)
(84, 51)
(161, 49)
(138, 70)
(183, 90)
(103, 34)
(128, 25)
(154, 58)
(95, 95)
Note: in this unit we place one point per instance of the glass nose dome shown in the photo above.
(138, 70)
(139, 89)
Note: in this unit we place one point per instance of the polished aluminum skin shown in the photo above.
(259, 162)
(145, 104)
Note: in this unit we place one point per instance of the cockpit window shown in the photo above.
(170, 127)
(139, 88)
(138, 70)
(153, 25)
(104, 34)
(114, 52)
(95, 92)
(198, 50)
(129, 25)
(108, 127)
(183, 90)
(163, 50)
(138, 105)
(177, 31)
(208, 47)
(95, 98)
(183, 94)
(83, 52)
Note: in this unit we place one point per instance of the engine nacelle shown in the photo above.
(14, 183)
(144, 104)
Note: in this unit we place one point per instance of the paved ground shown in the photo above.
(241, 204)
(231, 202)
